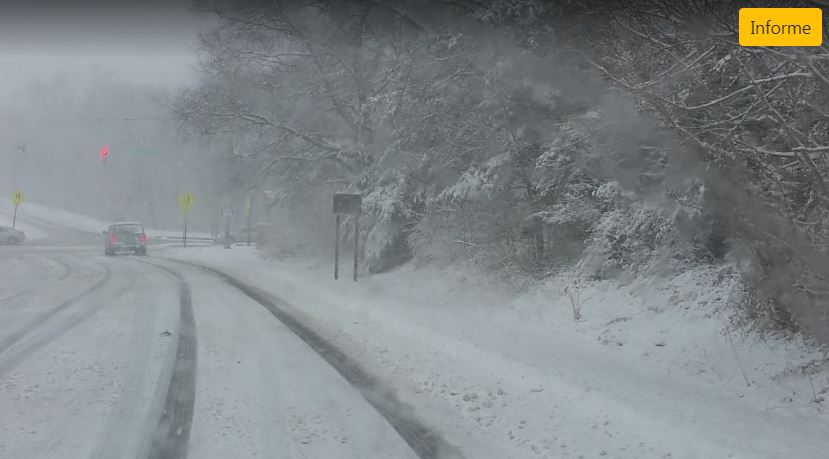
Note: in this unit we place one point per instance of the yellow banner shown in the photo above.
(781, 26)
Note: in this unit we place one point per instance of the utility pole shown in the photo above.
(16, 165)
(249, 210)
(227, 212)
(103, 155)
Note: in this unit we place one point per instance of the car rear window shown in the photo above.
(135, 229)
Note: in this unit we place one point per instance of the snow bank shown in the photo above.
(649, 369)
(61, 217)
(32, 215)
(32, 232)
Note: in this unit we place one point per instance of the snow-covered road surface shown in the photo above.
(160, 357)
(128, 357)
(498, 379)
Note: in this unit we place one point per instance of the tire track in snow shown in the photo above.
(34, 324)
(22, 353)
(426, 443)
(67, 271)
(18, 355)
(123, 437)
(172, 434)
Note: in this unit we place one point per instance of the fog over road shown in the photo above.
(113, 357)
(435, 229)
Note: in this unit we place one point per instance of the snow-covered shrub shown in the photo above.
(635, 237)
(391, 209)
(477, 218)
(624, 240)
(483, 232)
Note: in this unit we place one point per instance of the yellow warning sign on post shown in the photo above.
(186, 202)
(17, 198)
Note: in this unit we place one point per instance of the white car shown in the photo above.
(11, 236)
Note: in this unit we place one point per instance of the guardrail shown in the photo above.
(189, 238)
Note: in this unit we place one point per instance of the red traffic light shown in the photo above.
(104, 152)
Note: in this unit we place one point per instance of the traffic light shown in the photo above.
(104, 153)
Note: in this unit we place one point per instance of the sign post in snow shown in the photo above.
(17, 199)
(185, 203)
(348, 204)
(249, 216)
(228, 213)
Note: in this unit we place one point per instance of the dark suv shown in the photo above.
(125, 236)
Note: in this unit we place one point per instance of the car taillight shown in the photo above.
(113, 238)
(142, 238)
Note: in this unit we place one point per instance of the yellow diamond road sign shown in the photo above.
(185, 202)
(17, 198)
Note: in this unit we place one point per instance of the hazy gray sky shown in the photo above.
(141, 41)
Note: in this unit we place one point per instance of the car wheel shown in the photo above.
(142, 252)
(12, 240)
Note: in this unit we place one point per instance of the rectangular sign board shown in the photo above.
(348, 203)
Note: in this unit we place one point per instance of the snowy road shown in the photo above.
(214, 353)
(116, 357)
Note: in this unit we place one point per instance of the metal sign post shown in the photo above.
(337, 247)
(185, 203)
(17, 199)
(248, 209)
(227, 214)
(349, 204)
(356, 241)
